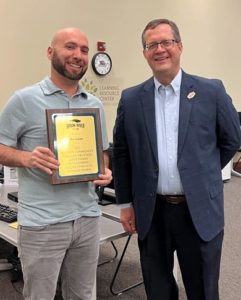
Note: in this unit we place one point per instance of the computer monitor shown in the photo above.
(106, 194)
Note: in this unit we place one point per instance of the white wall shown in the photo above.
(210, 30)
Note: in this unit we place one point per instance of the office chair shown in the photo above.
(236, 167)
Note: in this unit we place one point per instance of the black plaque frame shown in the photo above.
(51, 115)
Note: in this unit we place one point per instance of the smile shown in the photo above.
(75, 66)
(161, 58)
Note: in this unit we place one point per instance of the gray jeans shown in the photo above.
(68, 250)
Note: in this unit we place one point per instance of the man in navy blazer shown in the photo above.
(173, 135)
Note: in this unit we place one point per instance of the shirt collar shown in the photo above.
(175, 84)
(50, 88)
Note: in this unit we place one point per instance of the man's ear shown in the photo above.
(180, 46)
(49, 52)
(144, 53)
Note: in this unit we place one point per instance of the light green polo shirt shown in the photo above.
(23, 125)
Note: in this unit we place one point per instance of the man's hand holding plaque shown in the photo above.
(104, 179)
(42, 158)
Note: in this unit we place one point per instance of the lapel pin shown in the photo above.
(191, 95)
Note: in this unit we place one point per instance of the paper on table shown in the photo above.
(14, 225)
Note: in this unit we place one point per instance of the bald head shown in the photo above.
(65, 33)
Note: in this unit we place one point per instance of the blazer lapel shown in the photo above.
(187, 96)
(148, 104)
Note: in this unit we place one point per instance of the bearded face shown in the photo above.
(71, 68)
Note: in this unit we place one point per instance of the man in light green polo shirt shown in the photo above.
(59, 224)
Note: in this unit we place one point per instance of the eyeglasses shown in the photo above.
(165, 44)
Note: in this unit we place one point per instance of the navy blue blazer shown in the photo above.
(209, 135)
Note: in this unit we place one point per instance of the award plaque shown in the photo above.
(74, 136)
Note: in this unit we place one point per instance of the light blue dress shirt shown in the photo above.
(167, 102)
